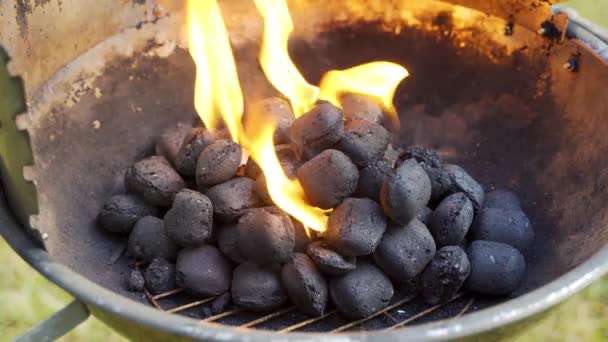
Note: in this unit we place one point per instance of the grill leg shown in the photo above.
(58, 324)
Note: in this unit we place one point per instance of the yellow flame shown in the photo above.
(275, 61)
(217, 92)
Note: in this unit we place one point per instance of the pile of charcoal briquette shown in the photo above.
(200, 219)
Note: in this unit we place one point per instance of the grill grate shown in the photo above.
(388, 320)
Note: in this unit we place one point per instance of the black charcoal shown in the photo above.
(218, 163)
(317, 130)
(305, 285)
(361, 292)
(265, 236)
(355, 227)
(440, 179)
(221, 303)
(160, 276)
(507, 226)
(424, 215)
(252, 170)
(445, 275)
(262, 188)
(136, 281)
(120, 212)
(410, 287)
(371, 178)
(149, 241)
(357, 107)
(302, 238)
(328, 179)
(328, 261)
(257, 289)
(501, 199)
(496, 268)
(228, 242)
(463, 182)
(276, 109)
(171, 140)
(155, 180)
(452, 219)
(405, 250)
(203, 271)
(364, 142)
(230, 199)
(189, 222)
(406, 192)
(192, 146)
(391, 155)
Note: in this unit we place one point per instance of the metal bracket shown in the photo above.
(587, 22)
(57, 325)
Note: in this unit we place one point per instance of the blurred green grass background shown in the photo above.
(27, 298)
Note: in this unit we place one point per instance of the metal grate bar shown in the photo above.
(307, 322)
(425, 312)
(466, 307)
(220, 316)
(267, 317)
(191, 305)
(375, 314)
(169, 293)
(152, 300)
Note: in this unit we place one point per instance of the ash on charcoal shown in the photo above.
(120, 212)
(328, 261)
(305, 285)
(361, 292)
(355, 227)
(451, 220)
(361, 107)
(203, 271)
(149, 241)
(364, 142)
(392, 154)
(463, 182)
(265, 236)
(440, 179)
(218, 163)
(230, 199)
(371, 178)
(228, 242)
(257, 289)
(496, 268)
(302, 238)
(189, 222)
(171, 140)
(136, 281)
(405, 250)
(424, 215)
(319, 129)
(507, 226)
(155, 180)
(276, 109)
(221, 303)
(194, 143)
(328, 178)
(160, 276)
(501, 199)
(445, 274)
(406, 192)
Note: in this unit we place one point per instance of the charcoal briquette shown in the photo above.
(496, 268)
(445, 275)
(228, 242)
(221, 303)
(257, 289)
(160, 276)
(203, 271)
(329, 261)
(261, 186)
(317, 130)
(120, 212)
(277, 109)
(155, 180)
(218, 163)
(194, 143)
(391, 155)
(406, 192)
(149, 241)
(170, 141)
(252, 170)
(232, 198)
(285, 153)
(136, 281)
(305, 285)
(361, 292)
(361, 107)
(502, 199)
(430, 161)
(355, 227)
(364, 142)
(424, 215)
(371, 178)
(405, 250)
(189, 222)
(451, 220)
(266, 236)
(328, 178)
(511, 227)
(463, 182)
(302, 238)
